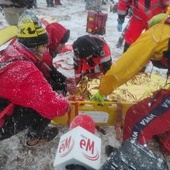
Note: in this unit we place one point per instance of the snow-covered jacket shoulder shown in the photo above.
(56, 32)
(23, 84)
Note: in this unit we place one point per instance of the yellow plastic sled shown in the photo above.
(102, 115)
(6, 34)
(110, 114)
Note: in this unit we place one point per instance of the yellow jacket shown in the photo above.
(151, 44)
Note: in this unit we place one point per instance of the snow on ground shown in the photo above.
(72, 14)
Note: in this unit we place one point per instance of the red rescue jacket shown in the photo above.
(102, 64)
(22, 83)
(143, 9)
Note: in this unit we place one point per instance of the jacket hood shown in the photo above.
(56, 34)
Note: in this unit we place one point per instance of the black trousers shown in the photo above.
(50, 2)
(23, 118)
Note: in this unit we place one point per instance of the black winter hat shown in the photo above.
(85, 46)
(31, 33)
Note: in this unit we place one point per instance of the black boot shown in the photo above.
(109, 149)
(57, 2)
(48, 134)
(104, 3)
(51, 3)
(48, 3)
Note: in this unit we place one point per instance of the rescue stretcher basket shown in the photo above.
(105, 115)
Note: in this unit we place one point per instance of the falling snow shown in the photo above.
(72, 15)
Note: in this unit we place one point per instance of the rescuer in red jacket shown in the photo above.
(142, 12)
(92, 57)
(27, 100)
(58, 36)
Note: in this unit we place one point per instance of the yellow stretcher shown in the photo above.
(102, 115)
(7, 34)
(109, 114)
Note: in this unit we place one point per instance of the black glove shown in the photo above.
(57, 81)
(56, 75)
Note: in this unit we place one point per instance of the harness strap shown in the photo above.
(10, 61)
(7, 111)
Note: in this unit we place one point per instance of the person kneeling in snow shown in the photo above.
(58, 36)
(92, 57)
(149, 117)
(27, 100)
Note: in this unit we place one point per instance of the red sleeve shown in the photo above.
(25, 85)
(104, 61)
(166, 2)
(123, 6)
(78, 63)
(136, 124)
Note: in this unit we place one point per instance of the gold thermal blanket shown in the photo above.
(139, 87)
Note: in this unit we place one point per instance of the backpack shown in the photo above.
(96, 22)
(133, 156)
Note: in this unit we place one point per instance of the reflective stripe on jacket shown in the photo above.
(83, 68)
